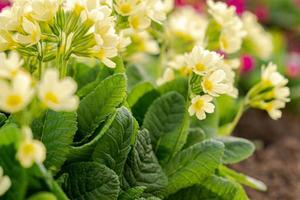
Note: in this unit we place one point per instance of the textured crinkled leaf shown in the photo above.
(114, 146)
(91, 181)
(193, 165)
(56, 130)
(167, 121)
(212, 188)
(142, 167)
(132, 193)
(236, 149)
(100, 103)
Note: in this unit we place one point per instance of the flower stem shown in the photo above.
(51, 183)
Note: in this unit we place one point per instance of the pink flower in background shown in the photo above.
(197, 4)
(293, 65)
(240, 5)
(3, 4)
(262, 13)
(247, 63)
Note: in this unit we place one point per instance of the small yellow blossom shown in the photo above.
(32, 30)
(214, 84)
(30, 151)
(15, 96)
(201, 105)
(203, 61)
(58, 95)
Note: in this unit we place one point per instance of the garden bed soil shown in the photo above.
(277, 161)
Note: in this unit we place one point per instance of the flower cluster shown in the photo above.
(271, 93)
(232, 29)
(18, 88)
(216, 79)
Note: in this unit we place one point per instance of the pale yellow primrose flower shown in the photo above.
(232, 36)
(5, 182)
(10, 65)
(232, 30)
(15, 96)
(44, 10)
(270, 76)
(127, 7)
(168, 75)
(58, 95)
(30, 151)
(187, 24)
(273, 108)
(260, 39)
(32, 30)
(139, 21)
(203, 61)
(200, 106)
(214, 84)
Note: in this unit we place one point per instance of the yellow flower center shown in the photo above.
(51, 97)
(14, 100)
(208, 85)
(13, 73)
(200, 67)
(28, 149)
(101, 54)
(224, 43)
(125, 8)
(269, 107)
(199, 105)
(135, 22)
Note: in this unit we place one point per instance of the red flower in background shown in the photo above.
(3, 4)
(247, 63)
(240, 5)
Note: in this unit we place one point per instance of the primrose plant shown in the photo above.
(125, 99)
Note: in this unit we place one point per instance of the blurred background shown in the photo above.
(277, 160)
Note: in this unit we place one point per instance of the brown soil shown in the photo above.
(277, 162)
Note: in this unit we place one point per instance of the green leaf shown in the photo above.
(179, 85)
(43, 196)
(91, 181)
(16, 173)
(140, 108)
(138, 91)
(85, 74)
(236, 149)
(243, 179)
(196, 135)
(56, 130)
(9, 134)
(193, 165)
(114, 146)
(212, 188)
(3, 118)
(83, 152)
(96, 106)
(167, 120)
(134, 75)
(142, 167)
(132, 193)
